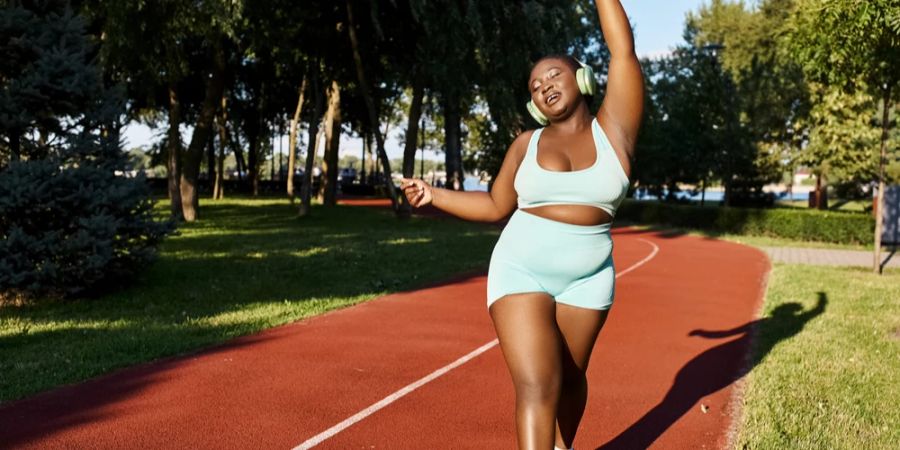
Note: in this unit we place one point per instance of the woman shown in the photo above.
(551, 278)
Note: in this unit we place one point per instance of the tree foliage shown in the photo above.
(70, 221)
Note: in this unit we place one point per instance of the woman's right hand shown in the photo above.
(418, 192)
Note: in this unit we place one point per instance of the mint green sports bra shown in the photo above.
(603, 185)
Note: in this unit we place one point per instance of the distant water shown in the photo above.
(718, 196)
(474, 184)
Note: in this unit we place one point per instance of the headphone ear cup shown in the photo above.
(536, 114)
(586, 81)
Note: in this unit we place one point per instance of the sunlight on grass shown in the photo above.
(833, 384)
(403, 241)
(245, 266)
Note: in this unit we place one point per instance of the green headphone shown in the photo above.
(587, 84)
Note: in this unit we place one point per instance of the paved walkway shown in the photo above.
(828, 257)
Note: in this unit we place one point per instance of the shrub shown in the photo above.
(810, 225)
(72, 230)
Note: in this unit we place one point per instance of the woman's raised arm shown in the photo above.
(623, 105)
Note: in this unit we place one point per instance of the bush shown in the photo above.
(809, 225)
(73, 230)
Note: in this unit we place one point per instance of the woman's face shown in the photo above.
(553, 88)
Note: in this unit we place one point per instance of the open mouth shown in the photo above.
(552, 98)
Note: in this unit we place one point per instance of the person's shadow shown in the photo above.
(709, 371)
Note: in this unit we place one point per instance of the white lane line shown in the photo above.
(317, 439)
(323, 436)
(643, 261)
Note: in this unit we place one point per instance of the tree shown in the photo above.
(768, 89)
(292, 141)
(203, 130)
(841, 43)
(509, 38)
(330, 168)
(693, 103)
(373, 114)
(315, 118)
(841, 134)
(47, 82)
(70, 223)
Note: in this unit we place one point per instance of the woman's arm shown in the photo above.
(623, 105)
(478, 206)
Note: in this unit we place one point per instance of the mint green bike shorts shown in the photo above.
(572, 263)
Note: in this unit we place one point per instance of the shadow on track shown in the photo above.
(704, 374)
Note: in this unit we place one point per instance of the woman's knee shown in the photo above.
(539, 390)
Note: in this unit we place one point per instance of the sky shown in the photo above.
(658, 25)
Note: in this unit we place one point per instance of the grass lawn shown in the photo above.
(757, 241)
(247, 265)
(826, 362)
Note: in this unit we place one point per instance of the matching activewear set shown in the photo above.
(571, 263)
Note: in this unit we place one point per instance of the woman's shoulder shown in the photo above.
(520, 143)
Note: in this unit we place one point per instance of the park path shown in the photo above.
(830, 257)
(652, 382)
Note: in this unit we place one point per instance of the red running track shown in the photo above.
(279, 388)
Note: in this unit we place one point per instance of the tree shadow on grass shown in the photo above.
(716, 368)
(239, 270)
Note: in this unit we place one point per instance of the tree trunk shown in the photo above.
(372, 155)
(211, 161)
(306, 187)
(219, 188)
(821, 188)
(15, 145)
(422, 146)
(252, 159)
(362, 160)
(173, 148)
(202, 130)
(292, 141)
(373, 117)
(879, 207)
(412, 128)
(253, 130)
(453, 145)
(332, 143)
(726, 200)
(702, 192)
(272, 163)
(234, 140)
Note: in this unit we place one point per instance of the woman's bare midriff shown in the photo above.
(572, 214)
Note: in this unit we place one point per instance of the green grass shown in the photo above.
(247, 265)
(756, 241)
(825, 378)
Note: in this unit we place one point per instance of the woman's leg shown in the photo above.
(532, 345)
(579, 328)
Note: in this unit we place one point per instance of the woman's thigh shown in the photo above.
(579, 328)
(529, 338)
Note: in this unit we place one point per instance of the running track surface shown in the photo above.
(651, 382)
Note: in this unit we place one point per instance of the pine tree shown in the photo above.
(71, 220)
